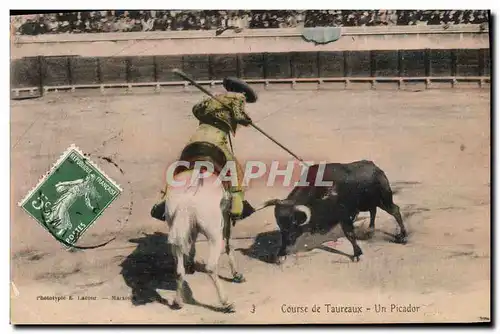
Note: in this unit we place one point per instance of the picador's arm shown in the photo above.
(239, 110)
(233, 106)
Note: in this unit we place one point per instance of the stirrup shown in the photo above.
(248, 210)
(158, 211)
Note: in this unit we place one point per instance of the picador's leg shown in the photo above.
(240, 208)
(158, 211)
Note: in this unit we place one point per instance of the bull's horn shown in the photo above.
(306, 210)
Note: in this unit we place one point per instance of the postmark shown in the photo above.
(71, 196)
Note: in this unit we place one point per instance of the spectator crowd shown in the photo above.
(177, 20)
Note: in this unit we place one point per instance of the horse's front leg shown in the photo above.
(237, 276)
(213, 271)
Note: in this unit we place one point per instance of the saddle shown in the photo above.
(204, 151)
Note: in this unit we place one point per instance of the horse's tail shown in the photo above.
(179, 211)
(198, 183)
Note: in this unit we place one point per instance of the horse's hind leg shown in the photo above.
(181, 272)
(190, 263)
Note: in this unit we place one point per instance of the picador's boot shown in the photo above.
(158, 211)
(248, 209)
(240, 208)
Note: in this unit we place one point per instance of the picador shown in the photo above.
(212, 142)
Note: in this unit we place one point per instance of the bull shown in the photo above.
(356, 187)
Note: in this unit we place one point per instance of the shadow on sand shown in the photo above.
(152, 266)
(264, 248)
(149, 267)
(266, 245)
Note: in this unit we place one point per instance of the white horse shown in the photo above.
(200, 207)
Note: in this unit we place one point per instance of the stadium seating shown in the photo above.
(125, 21)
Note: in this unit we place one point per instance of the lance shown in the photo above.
(197, 85)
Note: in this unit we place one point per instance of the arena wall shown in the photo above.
(248, 41)
(378, 53)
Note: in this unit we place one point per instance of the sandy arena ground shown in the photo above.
(433, 145)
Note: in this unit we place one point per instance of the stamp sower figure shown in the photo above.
(211, 139)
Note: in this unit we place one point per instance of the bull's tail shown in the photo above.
(287, 202)
(276, 201)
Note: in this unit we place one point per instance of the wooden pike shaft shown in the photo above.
(197, 85)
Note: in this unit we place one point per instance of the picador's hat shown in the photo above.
(232, 84)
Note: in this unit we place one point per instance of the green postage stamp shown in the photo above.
(71, 196)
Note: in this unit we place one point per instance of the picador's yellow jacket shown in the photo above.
(216, 124)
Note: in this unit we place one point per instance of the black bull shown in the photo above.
(358, 186)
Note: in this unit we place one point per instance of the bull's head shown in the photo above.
(293, 221)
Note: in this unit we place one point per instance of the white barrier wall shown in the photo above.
(248, 41)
